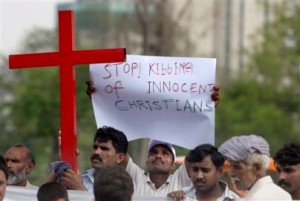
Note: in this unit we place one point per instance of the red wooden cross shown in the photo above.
(65, 58)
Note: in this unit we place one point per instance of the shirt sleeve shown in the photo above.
(182, 176)
(88, 180)
(134, 170)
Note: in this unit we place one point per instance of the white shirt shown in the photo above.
(88, 179)
(144, 186)
(227, 194)
(266, 189)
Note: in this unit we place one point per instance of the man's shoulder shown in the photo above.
(29, 185)
(88, 173)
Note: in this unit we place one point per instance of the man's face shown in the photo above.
(160, 159)
(204, 175)
(243, 175)
(2, 185)
(289, 178)
(18, 165)
(104, 153)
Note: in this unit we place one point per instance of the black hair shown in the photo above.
(288, 155)
(3, 166)
(113, 183)
(52, 191)
(118, 138)
(201, 151)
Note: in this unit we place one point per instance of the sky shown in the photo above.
(20, 16)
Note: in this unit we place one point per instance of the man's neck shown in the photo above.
(22, 184)
(159, 179)
(213, 194)
(296, 195)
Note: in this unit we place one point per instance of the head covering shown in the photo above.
(153, 143)
(59, 167)
(239, 147)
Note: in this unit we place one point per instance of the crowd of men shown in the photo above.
(198, 178)
(114, 176)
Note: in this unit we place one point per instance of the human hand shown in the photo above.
(72, 180)
(177, 195)
(51, 177)
(77, 152)
(215, 96)
(90, 88)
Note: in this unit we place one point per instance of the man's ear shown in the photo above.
(173, 165)
(30, 167)
(121, 157)
(257, 167)
(220, 170)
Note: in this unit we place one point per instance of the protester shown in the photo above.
(109, 148)
(113, 183)
(205, 170)
(3, 177)
(248, 156)
(287, 161)
(21, 162)
(52, 191)
(158, 180)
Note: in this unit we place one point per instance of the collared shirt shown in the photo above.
(226, 196)
(29, 185)
(266, 189)
(88, 179)
(144, 186)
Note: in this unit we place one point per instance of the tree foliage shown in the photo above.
(34, 117)
(266, 99)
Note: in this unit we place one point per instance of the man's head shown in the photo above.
(110, 147)
(20, 162)
(248, 156)
(3, 177)
(113, 183)
(287, 161)
(205, 167)
(161, 157)
(52, 191)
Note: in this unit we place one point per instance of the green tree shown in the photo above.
(33, 109)
(34, 115)
(266, 98)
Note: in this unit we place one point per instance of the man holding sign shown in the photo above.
(158, 181)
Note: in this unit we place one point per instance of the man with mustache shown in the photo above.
(205, 170)
(157, 180)
(21, 162)
(109, 148)
(249, 159)
(287, 161)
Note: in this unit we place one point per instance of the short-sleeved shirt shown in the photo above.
(226, 196)
(29, 185)
(144, 186)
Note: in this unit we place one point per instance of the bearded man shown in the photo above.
(20, 162)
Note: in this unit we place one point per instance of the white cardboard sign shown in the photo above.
(165, 98)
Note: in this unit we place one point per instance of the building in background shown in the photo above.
(217, 28)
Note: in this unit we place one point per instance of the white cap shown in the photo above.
(153, 143)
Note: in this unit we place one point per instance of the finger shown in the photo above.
(77, 152)
(216, 88)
